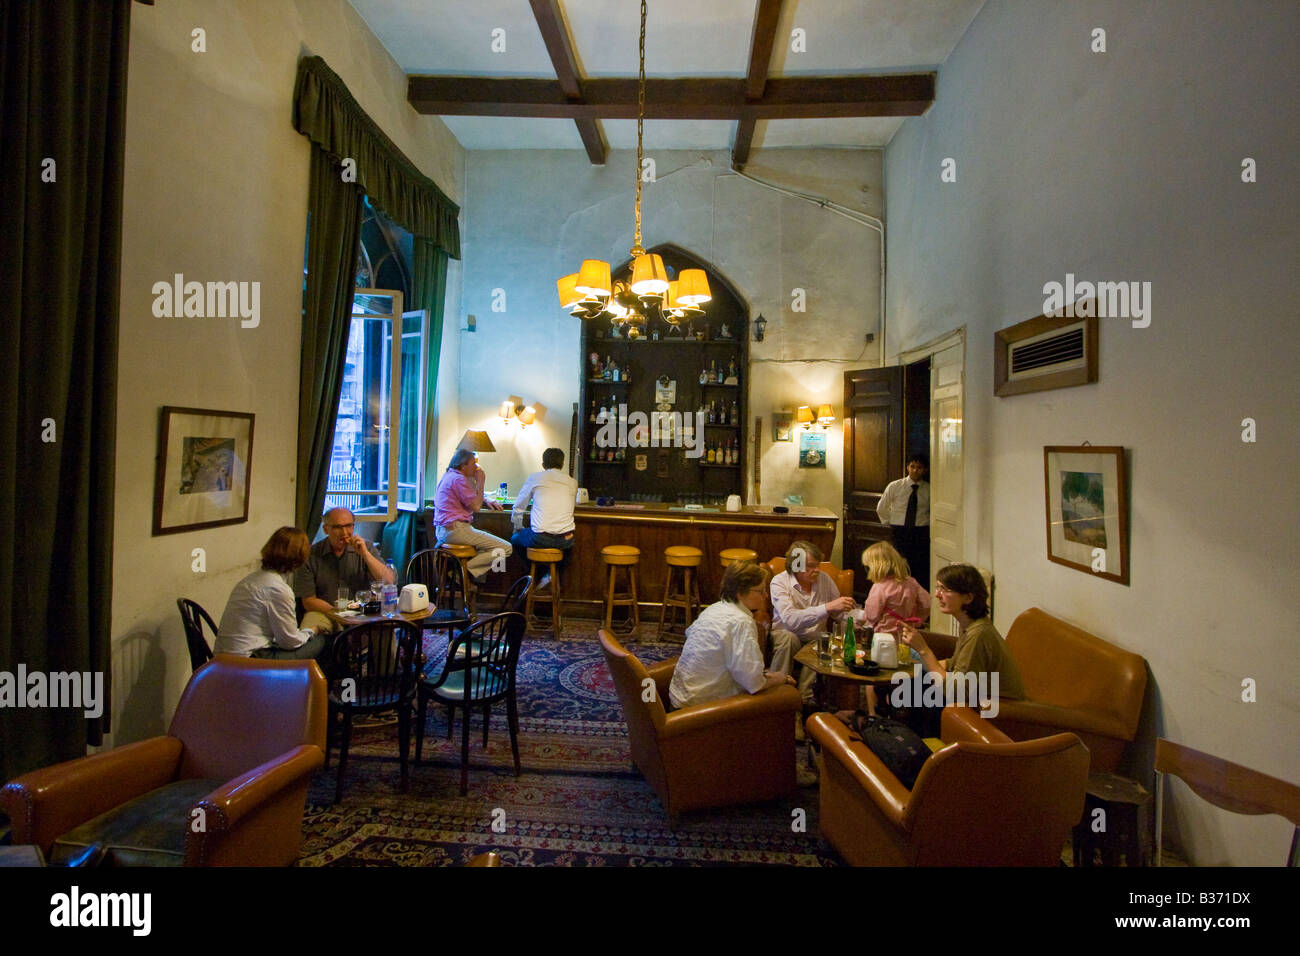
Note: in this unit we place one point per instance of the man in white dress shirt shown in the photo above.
(552, 494)
(803, 598)
(905, 507)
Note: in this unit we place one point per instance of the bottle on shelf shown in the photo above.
(591, 415)
(608, 373)
(735, 412)
(713, 372)
(712, 455)
(604, 414)
(703, 375)
(731, 370)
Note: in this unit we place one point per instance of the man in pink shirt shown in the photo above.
(458, 498)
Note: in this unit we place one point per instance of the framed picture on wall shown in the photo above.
(781, 424)
(204, 465)
(812, 449)
(1087, 509)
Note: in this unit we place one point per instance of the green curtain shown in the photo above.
(429, 290)
(63, 70)
(333, 232)
(325, 112)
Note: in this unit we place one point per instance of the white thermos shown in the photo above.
(884, 649)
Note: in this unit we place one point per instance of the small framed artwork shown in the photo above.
(204, 465)
(812, 449)
(1087, 509)
(781, 425)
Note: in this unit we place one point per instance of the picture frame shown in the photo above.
(1086, 494)
(782, 426)
(812, 449)
(203, 470)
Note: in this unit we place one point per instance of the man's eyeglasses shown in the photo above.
(344, 527)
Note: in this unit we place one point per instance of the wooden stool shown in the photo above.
(687, 559)
(1120, 834)
(463, 553)
(552, 596)
(729, 556)
(626, 557)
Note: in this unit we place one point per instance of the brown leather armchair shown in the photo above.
(983, 801)
(736, 750)
(1073, 682)
(225, 787)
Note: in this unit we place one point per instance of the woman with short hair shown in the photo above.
(721, 656)
(259, 617)
(980, 649)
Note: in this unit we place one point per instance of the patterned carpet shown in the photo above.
(578, 801)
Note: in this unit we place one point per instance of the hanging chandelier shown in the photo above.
(590, 293)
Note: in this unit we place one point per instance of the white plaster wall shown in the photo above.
(1126, 165)
(533, 216)
(216, 189)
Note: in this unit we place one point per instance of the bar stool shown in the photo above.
(626, 557)
(463, 553)
(687, 559)
(552, 596)
(729, 556)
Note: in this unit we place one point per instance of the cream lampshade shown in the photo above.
(568, 289)
(804, 416)
(593, 278)
(649, 277)
(693, 287)
(825, 415)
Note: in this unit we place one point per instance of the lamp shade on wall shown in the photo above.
(804, 416)
(825, 415)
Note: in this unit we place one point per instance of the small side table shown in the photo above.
(1126, 839)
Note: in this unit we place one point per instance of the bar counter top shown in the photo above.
(652, 527)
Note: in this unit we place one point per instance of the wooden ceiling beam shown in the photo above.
(805, 97)
(556, 37)
(766, 16)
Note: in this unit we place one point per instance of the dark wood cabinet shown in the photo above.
(652, 458)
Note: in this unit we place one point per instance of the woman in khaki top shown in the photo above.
(980, 649)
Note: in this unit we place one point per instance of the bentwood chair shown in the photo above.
(479, 671)
(517, 597)
(373, 669)
(1228, 786)
(194, 617)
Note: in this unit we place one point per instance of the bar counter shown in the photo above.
(654, 527)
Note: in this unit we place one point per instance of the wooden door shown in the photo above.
(946, 401)
(873, 457)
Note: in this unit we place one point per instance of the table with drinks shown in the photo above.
(376, 603)
(837, 685)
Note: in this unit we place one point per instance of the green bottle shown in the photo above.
(850, 644)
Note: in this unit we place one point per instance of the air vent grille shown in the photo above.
(1060, 349)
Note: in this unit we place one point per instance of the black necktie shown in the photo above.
(909, 520)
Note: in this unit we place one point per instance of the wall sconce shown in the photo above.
(760, 324)
(804, 416)
(825, 415)
(525, 413)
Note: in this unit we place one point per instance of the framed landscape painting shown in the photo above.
(205, 460)
(1087, 509)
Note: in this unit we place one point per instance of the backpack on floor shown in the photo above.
(899, 747)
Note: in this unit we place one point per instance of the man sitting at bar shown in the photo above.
(803, 598)
(458, 498)
(553, 495)
(340, 559)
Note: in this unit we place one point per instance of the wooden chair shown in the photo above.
(1228, 786)
(443, 574)
(627, 557)
(373, 668)
(551, 593)
(479, 671)
(517, 597)
(194, 617)
(685, 559)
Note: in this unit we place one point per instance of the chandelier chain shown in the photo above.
(637, 249)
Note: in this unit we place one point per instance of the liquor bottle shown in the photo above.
(604, 413)
(608, 373)
(850, 643)
(591, 415)
(703, 375)
(614, 373)
(713, 454)
(731, 370)
(713, 373)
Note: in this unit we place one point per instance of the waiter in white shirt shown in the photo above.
(553, 495)
(905, 507)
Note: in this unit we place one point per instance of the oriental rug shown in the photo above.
(577, 802)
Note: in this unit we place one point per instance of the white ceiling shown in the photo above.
(683, 38)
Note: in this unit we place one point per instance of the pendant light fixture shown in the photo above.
(590, 293)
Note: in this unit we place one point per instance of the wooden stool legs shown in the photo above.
(688, 599)
(552, 596)
(628, 598)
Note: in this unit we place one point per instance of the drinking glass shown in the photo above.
(341, 598)
(362, 598)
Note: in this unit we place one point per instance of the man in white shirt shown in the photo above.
(553, 495)
(905, 507)
(803, 598)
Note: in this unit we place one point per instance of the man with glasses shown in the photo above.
(803, 598)
(341, 559)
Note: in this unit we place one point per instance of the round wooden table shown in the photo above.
(837, 686)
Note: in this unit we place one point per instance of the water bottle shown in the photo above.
(389, 604)
(502, 492)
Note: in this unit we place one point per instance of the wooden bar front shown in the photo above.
(652, 528)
